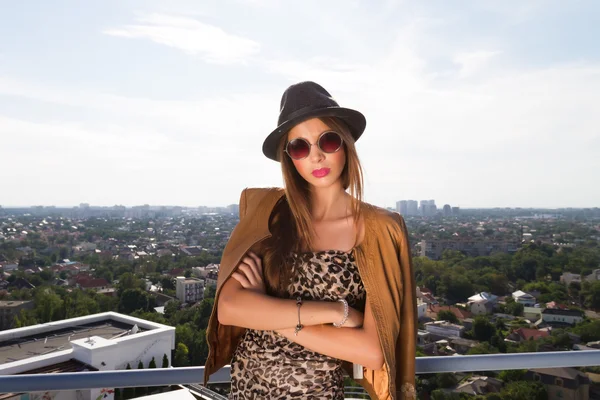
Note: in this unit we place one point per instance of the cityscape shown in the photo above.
(489, 281)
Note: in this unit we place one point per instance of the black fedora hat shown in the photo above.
(306, 100)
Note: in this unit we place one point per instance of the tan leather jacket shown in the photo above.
(385, 266)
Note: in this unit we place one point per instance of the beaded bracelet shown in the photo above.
(343, 321)
(299, 326)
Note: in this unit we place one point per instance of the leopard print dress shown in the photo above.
(266, 365)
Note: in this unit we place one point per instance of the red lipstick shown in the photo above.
(320, 173)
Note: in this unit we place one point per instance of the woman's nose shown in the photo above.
(316, 154)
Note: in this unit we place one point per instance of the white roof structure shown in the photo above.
(483, 296)
(520, 293)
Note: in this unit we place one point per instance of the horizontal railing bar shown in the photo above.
(501, 362)
(194, 375)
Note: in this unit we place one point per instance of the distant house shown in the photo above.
(21, 283)
(567, 278)
(557, 316)
(94, 283)
(201, 272)
(421, 309)
(561, 383)
(461, 345)
(482, 303)
(524, 334)
(524, 298)
(211, 279)
(423, 337)
(478, 385)
(444, 329)
(164, 252)
(192, 251)
(426, 295)
(176, 272)
(461, 314)
(594, 276)
(10, 267)
(556, 305)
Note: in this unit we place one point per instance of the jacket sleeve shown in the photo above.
(407, 338)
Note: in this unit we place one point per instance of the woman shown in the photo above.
(314, 281)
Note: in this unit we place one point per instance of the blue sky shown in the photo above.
(167, 103)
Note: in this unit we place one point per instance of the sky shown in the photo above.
(127, 102)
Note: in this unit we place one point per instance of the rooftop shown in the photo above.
(13, 303)
(556, 311)
(22, 347)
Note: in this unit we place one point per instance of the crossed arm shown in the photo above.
(243, 302)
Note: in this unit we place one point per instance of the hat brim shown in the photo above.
(355, 120)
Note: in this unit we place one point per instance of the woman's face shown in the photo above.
(319, 169)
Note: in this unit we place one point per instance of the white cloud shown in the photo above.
(191, 36)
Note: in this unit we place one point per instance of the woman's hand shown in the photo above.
(249, 273)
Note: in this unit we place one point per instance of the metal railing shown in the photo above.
(194, 375)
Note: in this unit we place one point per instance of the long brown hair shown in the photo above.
(291, 222)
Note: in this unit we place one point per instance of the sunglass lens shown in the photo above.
(298, 149)
(330, 142)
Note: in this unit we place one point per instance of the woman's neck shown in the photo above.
(329, 203)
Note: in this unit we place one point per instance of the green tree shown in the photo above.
(515, 308)
(209, 292)
(132, 300)
(167, 283)
(140, 390)
(482, 348)
(588, 330)
(498, 342)
(203, 312)
(152, 363)
(445, 380)
(48, 305)
(129, 281)
(512, 375)
(47, 275)
(447, 315)
(592, 296)
(181, 355)
(165, 361)
(128, 393)
(439, 394)
(521, 390)
(458, 287)
(483, 330)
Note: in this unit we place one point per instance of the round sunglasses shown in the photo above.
(328, 142)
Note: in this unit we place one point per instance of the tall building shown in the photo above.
(447, 210)
(99, 342)
(412, 208)
(189, 290)
(427, 208)
(402, 207)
